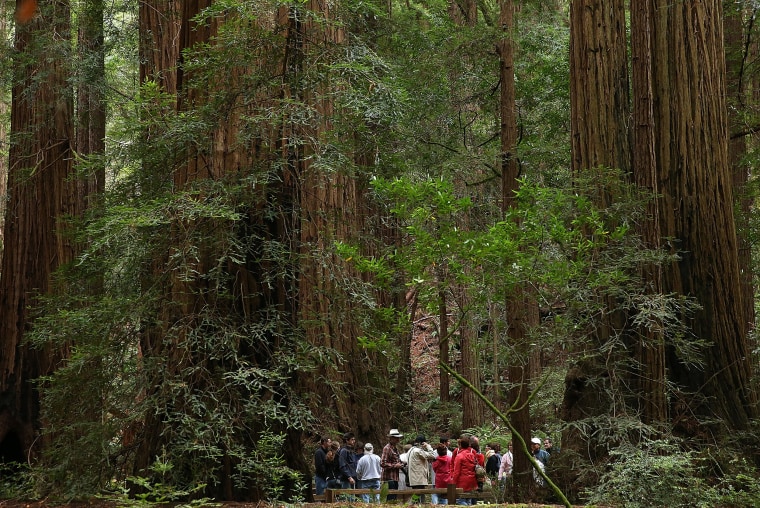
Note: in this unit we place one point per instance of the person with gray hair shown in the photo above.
(369, 472)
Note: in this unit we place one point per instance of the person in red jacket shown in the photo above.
(464, 471)
(442, 469)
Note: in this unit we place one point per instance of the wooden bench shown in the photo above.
(451, 492)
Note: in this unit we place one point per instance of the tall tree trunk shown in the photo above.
(465, 13)
(650, 347)
(159, 22)
(42, 194)
(299, 208)
(738, 98)
(697, 212)
(332, 207)
(4, 109)
(599, 103)
(472, 408)
(521, 307)
(91, 111)
(443, 334)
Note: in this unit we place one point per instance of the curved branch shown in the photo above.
(504, 417)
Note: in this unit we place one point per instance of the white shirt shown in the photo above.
(368, 467)
(505, 469)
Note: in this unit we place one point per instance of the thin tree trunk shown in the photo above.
(472, 408)
(521, 308)
(443, 334)
(4, 109)
(91, 111)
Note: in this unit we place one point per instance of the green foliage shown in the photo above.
(19, 481)
(219, 384)
(149, 493)
(662, 473)
(164, 342)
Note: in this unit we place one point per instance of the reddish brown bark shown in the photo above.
(650, 346)
(521, 306)
(694, 178)
(41, 194)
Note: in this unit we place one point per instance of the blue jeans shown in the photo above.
(464, 501)
(320, 484)
(345, 484)
(439, 499)
(371, 484)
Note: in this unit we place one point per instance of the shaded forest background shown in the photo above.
(232, 227)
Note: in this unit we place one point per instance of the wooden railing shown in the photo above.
(451, 492)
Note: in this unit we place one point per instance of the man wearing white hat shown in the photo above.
(390, 461)
(540, 455)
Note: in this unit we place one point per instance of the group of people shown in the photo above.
(418, 465)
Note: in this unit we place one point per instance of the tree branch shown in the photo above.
(504, 417)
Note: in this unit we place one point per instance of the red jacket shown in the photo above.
(442, 468)
(464, 470)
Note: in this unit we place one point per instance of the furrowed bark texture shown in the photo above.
(521, 307)
(600, 111)
(41, 194)
(697, 210)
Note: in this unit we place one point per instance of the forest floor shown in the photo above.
(101, 503)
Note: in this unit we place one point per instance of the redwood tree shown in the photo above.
(600, 139)
(696, 212)
(521, 309)
(41, 195)
(680, 140)
(266, 274)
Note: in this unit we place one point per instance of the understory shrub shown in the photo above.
(661, 473)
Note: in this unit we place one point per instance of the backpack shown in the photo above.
(480, 473)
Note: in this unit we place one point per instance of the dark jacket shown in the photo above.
(320, 462)
(492, 464)
(347, 463)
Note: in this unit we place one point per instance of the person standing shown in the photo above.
(391, 462)
(507, 463)
(403, 474)
(480, 461)
(347, 462)
(444, 440)
(369, 472)
(442, 470)
(493, 459)
(464, 470)
(540, 455)
(549, 446)
(320, 465)
(333, 466)
(420, 456)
